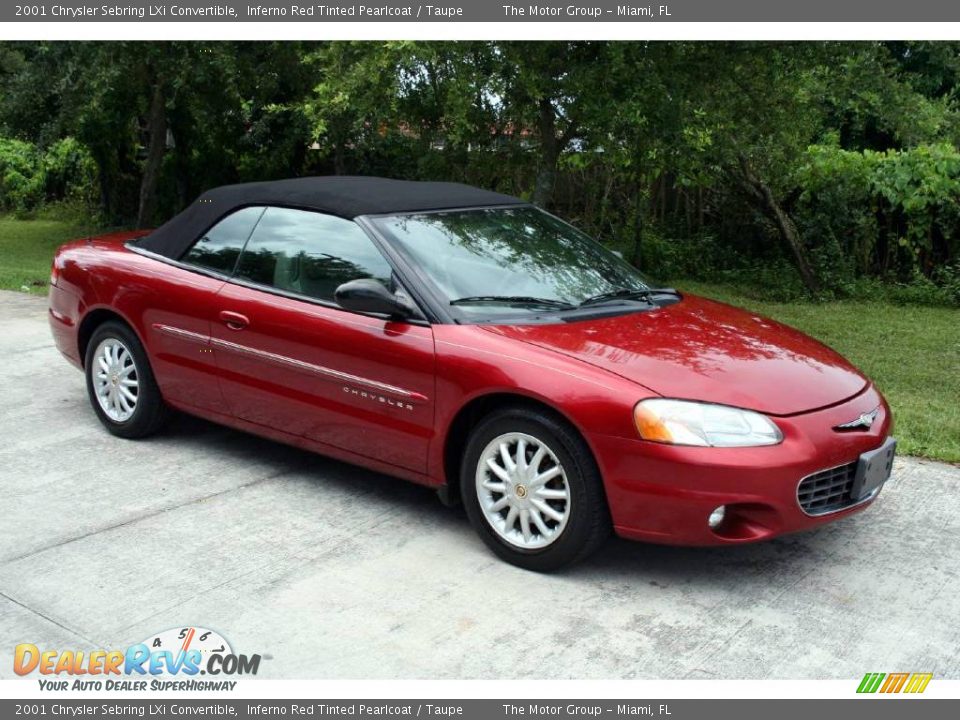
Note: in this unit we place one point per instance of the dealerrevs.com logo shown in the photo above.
(170, 660)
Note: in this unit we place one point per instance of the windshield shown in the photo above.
(509, 261)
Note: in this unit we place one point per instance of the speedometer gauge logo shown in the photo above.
(183, 640)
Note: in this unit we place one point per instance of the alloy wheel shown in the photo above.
(115, 379)
(523, 490)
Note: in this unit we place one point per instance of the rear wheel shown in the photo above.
(120, 383)
(532, 490)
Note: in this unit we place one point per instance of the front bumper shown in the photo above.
(665, 493)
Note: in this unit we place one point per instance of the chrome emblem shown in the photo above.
(373, 397)
(865, 421)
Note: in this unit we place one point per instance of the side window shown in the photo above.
(310, 253)
(220, 246)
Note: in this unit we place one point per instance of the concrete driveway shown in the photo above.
(339, 572)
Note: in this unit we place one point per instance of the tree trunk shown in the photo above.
(339, 157)
(764, 196)
(699, 208)
(662, 191)
(638, 206)
(181, 167)
(105, 178)
(157, 130)
(549, 154)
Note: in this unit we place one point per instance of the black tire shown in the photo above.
(150, 412)
(588, 524)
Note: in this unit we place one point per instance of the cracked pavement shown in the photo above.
(337, 572)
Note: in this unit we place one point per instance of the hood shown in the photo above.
(698, 349)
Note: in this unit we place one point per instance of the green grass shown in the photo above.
(911, 352)
(26, 249)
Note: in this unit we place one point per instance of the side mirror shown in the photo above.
(370, 296)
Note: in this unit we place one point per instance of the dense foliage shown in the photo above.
(825, 168)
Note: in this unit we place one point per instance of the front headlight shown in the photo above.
(682, 422)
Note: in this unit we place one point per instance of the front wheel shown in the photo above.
(120, 383)
(532, 490)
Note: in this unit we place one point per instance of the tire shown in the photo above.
(578, 524)
(111, 353)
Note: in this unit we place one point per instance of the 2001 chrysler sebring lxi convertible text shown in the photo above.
(468, 341)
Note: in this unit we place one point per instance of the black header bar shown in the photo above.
(482, 11)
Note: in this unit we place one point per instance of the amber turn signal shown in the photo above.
(650, 426)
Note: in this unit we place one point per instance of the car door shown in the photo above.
(292, 360)
(182, 305)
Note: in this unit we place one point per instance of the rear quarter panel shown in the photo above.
(103, 274)
(77, 266)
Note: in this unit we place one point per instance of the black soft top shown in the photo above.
(343, 196)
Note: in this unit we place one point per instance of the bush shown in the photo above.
(893, 212)
(22, 177)
(705, 257)
(30, 177)
(948, 280)
(71, 173)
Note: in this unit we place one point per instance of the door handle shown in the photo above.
(233, 320)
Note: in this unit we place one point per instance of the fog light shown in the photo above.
(716, 517)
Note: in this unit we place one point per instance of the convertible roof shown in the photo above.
(344, 196)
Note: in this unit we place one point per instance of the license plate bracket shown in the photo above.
(873, 470)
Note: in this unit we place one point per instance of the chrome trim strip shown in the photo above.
(182, 334)
(319, 370)
(437, 211)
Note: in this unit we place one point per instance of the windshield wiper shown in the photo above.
(625, 294)
(518, 300)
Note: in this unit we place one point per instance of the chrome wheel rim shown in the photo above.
(523, 490)
(116, 381)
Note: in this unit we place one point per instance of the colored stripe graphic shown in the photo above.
(870, 682)
(918, 682)
(894, 682)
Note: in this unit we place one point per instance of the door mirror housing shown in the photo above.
(370, 296)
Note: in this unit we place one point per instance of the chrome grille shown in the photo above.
(827, 490)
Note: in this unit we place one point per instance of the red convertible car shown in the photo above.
(468, 341)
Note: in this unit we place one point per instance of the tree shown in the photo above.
(134, 105)
(699, 156)
(561, 90)
(354, 95)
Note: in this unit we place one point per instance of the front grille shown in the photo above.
(827, 490)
